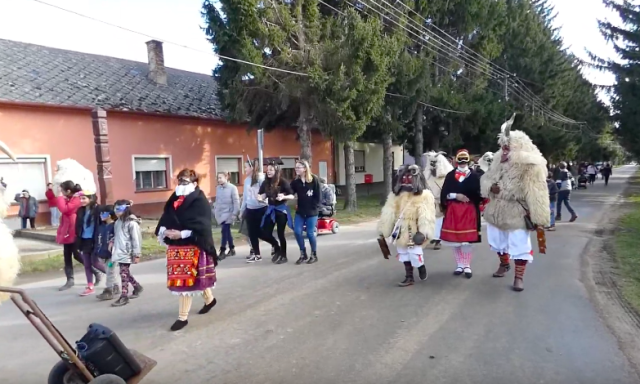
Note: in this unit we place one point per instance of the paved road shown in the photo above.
(344, 320)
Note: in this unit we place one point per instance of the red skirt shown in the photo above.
(460, 223)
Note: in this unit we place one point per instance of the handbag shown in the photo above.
(528, 223)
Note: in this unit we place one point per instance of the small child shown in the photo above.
(126, 250)
(103, 247)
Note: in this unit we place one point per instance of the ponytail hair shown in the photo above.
(70, 186)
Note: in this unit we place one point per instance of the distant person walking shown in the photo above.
(553, 198)
(606, 172)
(564, 193)
(28, 209)
(226, 212)
(592, 171)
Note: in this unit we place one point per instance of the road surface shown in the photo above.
(344, 320)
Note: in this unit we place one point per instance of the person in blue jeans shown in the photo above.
(553, 197)
(307, 187)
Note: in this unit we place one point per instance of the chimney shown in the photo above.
(157, 71)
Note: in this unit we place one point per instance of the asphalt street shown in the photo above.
(344, 320)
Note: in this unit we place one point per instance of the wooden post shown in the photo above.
(103, 157)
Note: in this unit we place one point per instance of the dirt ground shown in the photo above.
(601, 276)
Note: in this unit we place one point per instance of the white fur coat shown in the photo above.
(522, 181)
(485, 161)
(417, 211)
(435, 183)
(9, 254)
(69, 169)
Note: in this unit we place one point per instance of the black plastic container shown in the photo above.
(103, 352)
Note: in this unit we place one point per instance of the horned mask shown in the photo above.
(504, 139)
(410, 179)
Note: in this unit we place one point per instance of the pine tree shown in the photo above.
(350, 82)
(626, 91)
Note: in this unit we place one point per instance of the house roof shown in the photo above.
(34, 73)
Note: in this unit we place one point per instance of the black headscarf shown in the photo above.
(194, 214)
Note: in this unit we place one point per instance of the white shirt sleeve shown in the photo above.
(186, 233)
(161, 235)
(451, 196)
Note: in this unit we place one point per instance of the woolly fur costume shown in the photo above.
(485, 161)
(438, 168)
(9, 255)
(418, 215)
(522, 181)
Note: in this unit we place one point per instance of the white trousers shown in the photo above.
(463, 255)
(436, 235)
(517, 242)
(413, 254)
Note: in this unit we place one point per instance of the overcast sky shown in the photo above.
(179, 21)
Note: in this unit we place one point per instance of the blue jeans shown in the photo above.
(55, 216)
(227, 239)
(552, 206)
(311, 223)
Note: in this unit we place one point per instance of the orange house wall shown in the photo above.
(194, 143)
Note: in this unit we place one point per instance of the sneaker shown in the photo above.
(573, 218)
(136, 292)
(303, 258)
(551, 229)
(251, 254)
(254, 258)
(232, 252)
(88, 291)
(122, 301)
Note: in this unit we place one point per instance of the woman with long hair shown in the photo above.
(306, 187)
(67, 203)
(87, 222)
(276, 192)
(185, 227)
(253, 209)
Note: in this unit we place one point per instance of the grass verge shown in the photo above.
(368, 209)
(626, 244)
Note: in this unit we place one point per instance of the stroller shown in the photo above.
(583, 179)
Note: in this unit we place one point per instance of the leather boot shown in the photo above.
(107, 294)
(68, 271)
(518, 281)
(437, 245)
(422, 272)
(505, 265)
(282, 257)
(408, 279)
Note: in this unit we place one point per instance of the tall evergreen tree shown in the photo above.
(625, 99)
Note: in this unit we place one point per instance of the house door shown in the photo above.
(322, 170)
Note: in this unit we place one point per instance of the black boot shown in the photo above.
(68, 271)
(232, 252)
(282, 257)
(437, 245)
(107, 294)
(422, 273)
(313, 258)
(408, 279)
(303, 257)
(222, 254)
(275, 255)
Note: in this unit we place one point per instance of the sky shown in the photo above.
(180, 22)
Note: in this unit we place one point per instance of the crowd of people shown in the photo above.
(446, 202)
(107, 239)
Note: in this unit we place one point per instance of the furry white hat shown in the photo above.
(69, 169)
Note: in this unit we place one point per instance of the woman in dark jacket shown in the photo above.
(276, 191)
(87, 222)
(185, 226)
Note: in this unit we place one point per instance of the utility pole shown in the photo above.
(260, 148)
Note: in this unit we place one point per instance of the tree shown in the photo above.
(625, 100)
(350, 82)
(276, 33)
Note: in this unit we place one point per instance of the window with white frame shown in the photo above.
(288, 168)
(358, 157)
(151, 173)
(231, 165)
(29, 174)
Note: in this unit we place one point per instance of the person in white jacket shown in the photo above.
(127, 248)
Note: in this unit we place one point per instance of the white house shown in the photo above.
(368, 164)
